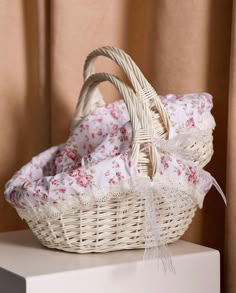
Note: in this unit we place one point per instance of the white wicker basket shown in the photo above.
(199, 150)
(118, 223)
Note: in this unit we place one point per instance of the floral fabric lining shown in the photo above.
(97, 156)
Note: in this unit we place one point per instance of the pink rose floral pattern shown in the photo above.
(97, 155)
(190, 110)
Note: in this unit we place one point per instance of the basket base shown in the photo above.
(117, 225)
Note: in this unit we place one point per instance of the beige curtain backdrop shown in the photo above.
(181, 46)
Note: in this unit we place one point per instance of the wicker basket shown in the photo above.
(118, 223)
(198, 150)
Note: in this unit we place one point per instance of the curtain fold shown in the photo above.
(192, 50)
(23, 104)
(181, 46)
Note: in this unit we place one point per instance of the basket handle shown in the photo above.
(143, 131)
(142, 87)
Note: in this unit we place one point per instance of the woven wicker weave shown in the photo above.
(109, 226)
(118, 223)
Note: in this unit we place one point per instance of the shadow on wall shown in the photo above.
(213, 230)
(218, 85)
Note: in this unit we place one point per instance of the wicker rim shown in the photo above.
(141, 86)
(143, 131)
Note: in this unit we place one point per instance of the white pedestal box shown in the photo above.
(27, 267)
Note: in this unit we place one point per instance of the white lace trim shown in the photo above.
(139, 185)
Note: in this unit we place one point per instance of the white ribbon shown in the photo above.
(152, 229)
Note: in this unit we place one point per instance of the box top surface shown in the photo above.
(22, 254)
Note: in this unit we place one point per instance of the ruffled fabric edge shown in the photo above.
(167, 189)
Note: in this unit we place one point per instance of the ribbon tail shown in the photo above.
(218, 188)
(153, 247)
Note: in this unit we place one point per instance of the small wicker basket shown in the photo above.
(199, 150)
